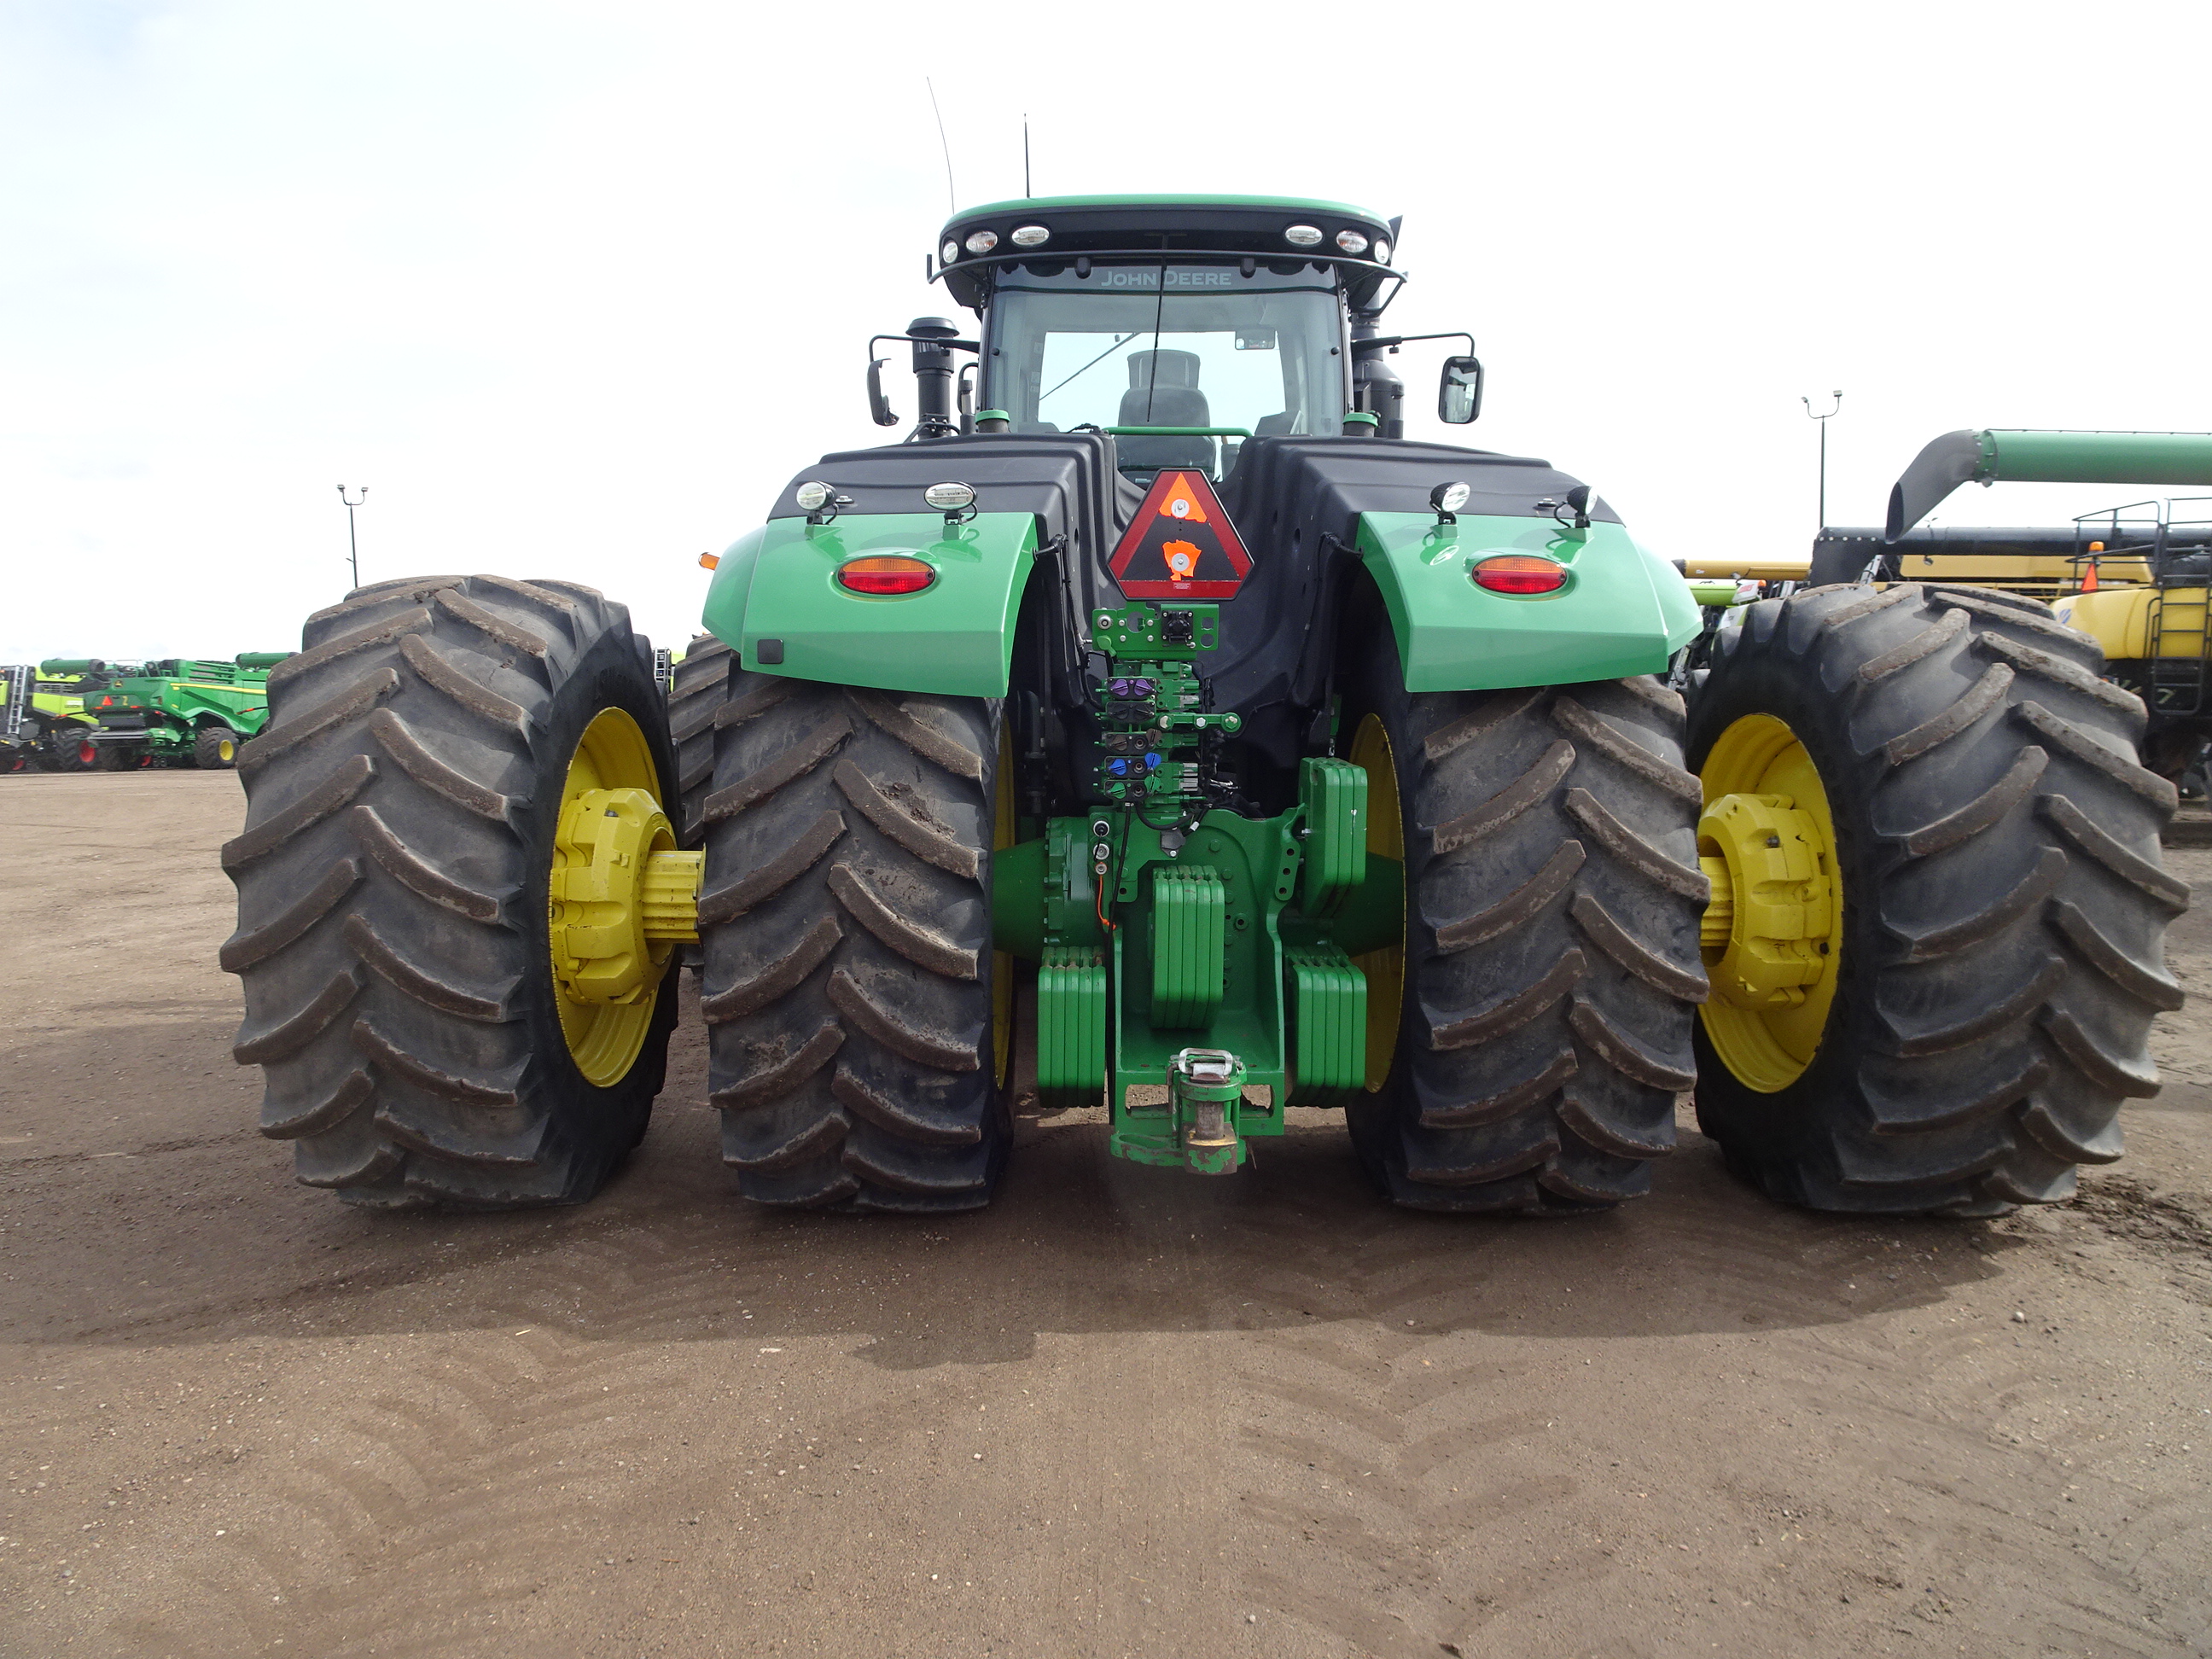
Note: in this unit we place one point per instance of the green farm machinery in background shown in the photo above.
(43, 724)
(181, 711)
(1158, 732)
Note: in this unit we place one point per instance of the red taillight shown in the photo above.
(886, 573)
(1519, 572)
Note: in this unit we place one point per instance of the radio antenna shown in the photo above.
(1026, 190)
(952, 196)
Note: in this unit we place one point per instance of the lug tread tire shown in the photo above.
(2006, 900)
(207, 748)
(391, 895)
(65, 748)
(846, 918)
(1552, 945)
(696, 693)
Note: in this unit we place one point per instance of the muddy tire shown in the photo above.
(1551, 959)
(696, 690)
(393, 882)
(2000, 956)
(849, 978)
(208, 745)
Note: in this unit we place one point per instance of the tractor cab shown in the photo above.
(1181, 362)
(1181, 326)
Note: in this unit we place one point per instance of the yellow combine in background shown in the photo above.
(2134, 578)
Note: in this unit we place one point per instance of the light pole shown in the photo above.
(1822, 422)
(353, 541)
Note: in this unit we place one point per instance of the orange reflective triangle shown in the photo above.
(1181, 545)
(1181, 503)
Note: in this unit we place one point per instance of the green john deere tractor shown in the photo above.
(1158, 720)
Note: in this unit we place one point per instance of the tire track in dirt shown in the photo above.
(1877, 1340)
(452, 1488)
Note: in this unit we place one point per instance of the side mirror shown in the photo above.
(1459, 396)
(880, 406)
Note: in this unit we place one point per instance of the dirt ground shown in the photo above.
(1123, 1411)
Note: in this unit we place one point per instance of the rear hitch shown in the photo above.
(1205, 1086)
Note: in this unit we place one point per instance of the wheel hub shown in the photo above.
(1772, 935)
(621, 889)
(1768, 932)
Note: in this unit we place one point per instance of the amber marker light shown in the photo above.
(1520, 574)
(884, 573)
(710, 561)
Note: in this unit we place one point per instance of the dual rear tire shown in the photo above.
(1987, 1001)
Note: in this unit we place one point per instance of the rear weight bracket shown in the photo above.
(1333, 794)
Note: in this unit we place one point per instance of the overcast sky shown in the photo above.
(573, 289)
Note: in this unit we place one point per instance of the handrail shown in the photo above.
(1174, 431)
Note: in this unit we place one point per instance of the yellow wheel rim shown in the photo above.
(606, 1005)
(1002, 965)
(1772, 936)
(1386, 838)
(226, 751)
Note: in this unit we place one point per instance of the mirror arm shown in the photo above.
(1392, 342)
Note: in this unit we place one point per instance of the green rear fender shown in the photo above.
(956, 638)
(1623, 610)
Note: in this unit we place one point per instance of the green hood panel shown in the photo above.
(955, 638)
(1623, 611)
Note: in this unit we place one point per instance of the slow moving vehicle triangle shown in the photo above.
(1181, 545)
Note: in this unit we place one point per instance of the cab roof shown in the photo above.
(1136, 227)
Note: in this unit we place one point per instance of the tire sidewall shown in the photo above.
(1782, 1126)
(607, 676)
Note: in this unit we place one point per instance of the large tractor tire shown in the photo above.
(215, 749)
(860, 1028)
(695, 692)
(1984, 1003)
(1527, 1046)
(70, 747)
(404, 814)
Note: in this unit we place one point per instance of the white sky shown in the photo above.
(573, 289)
